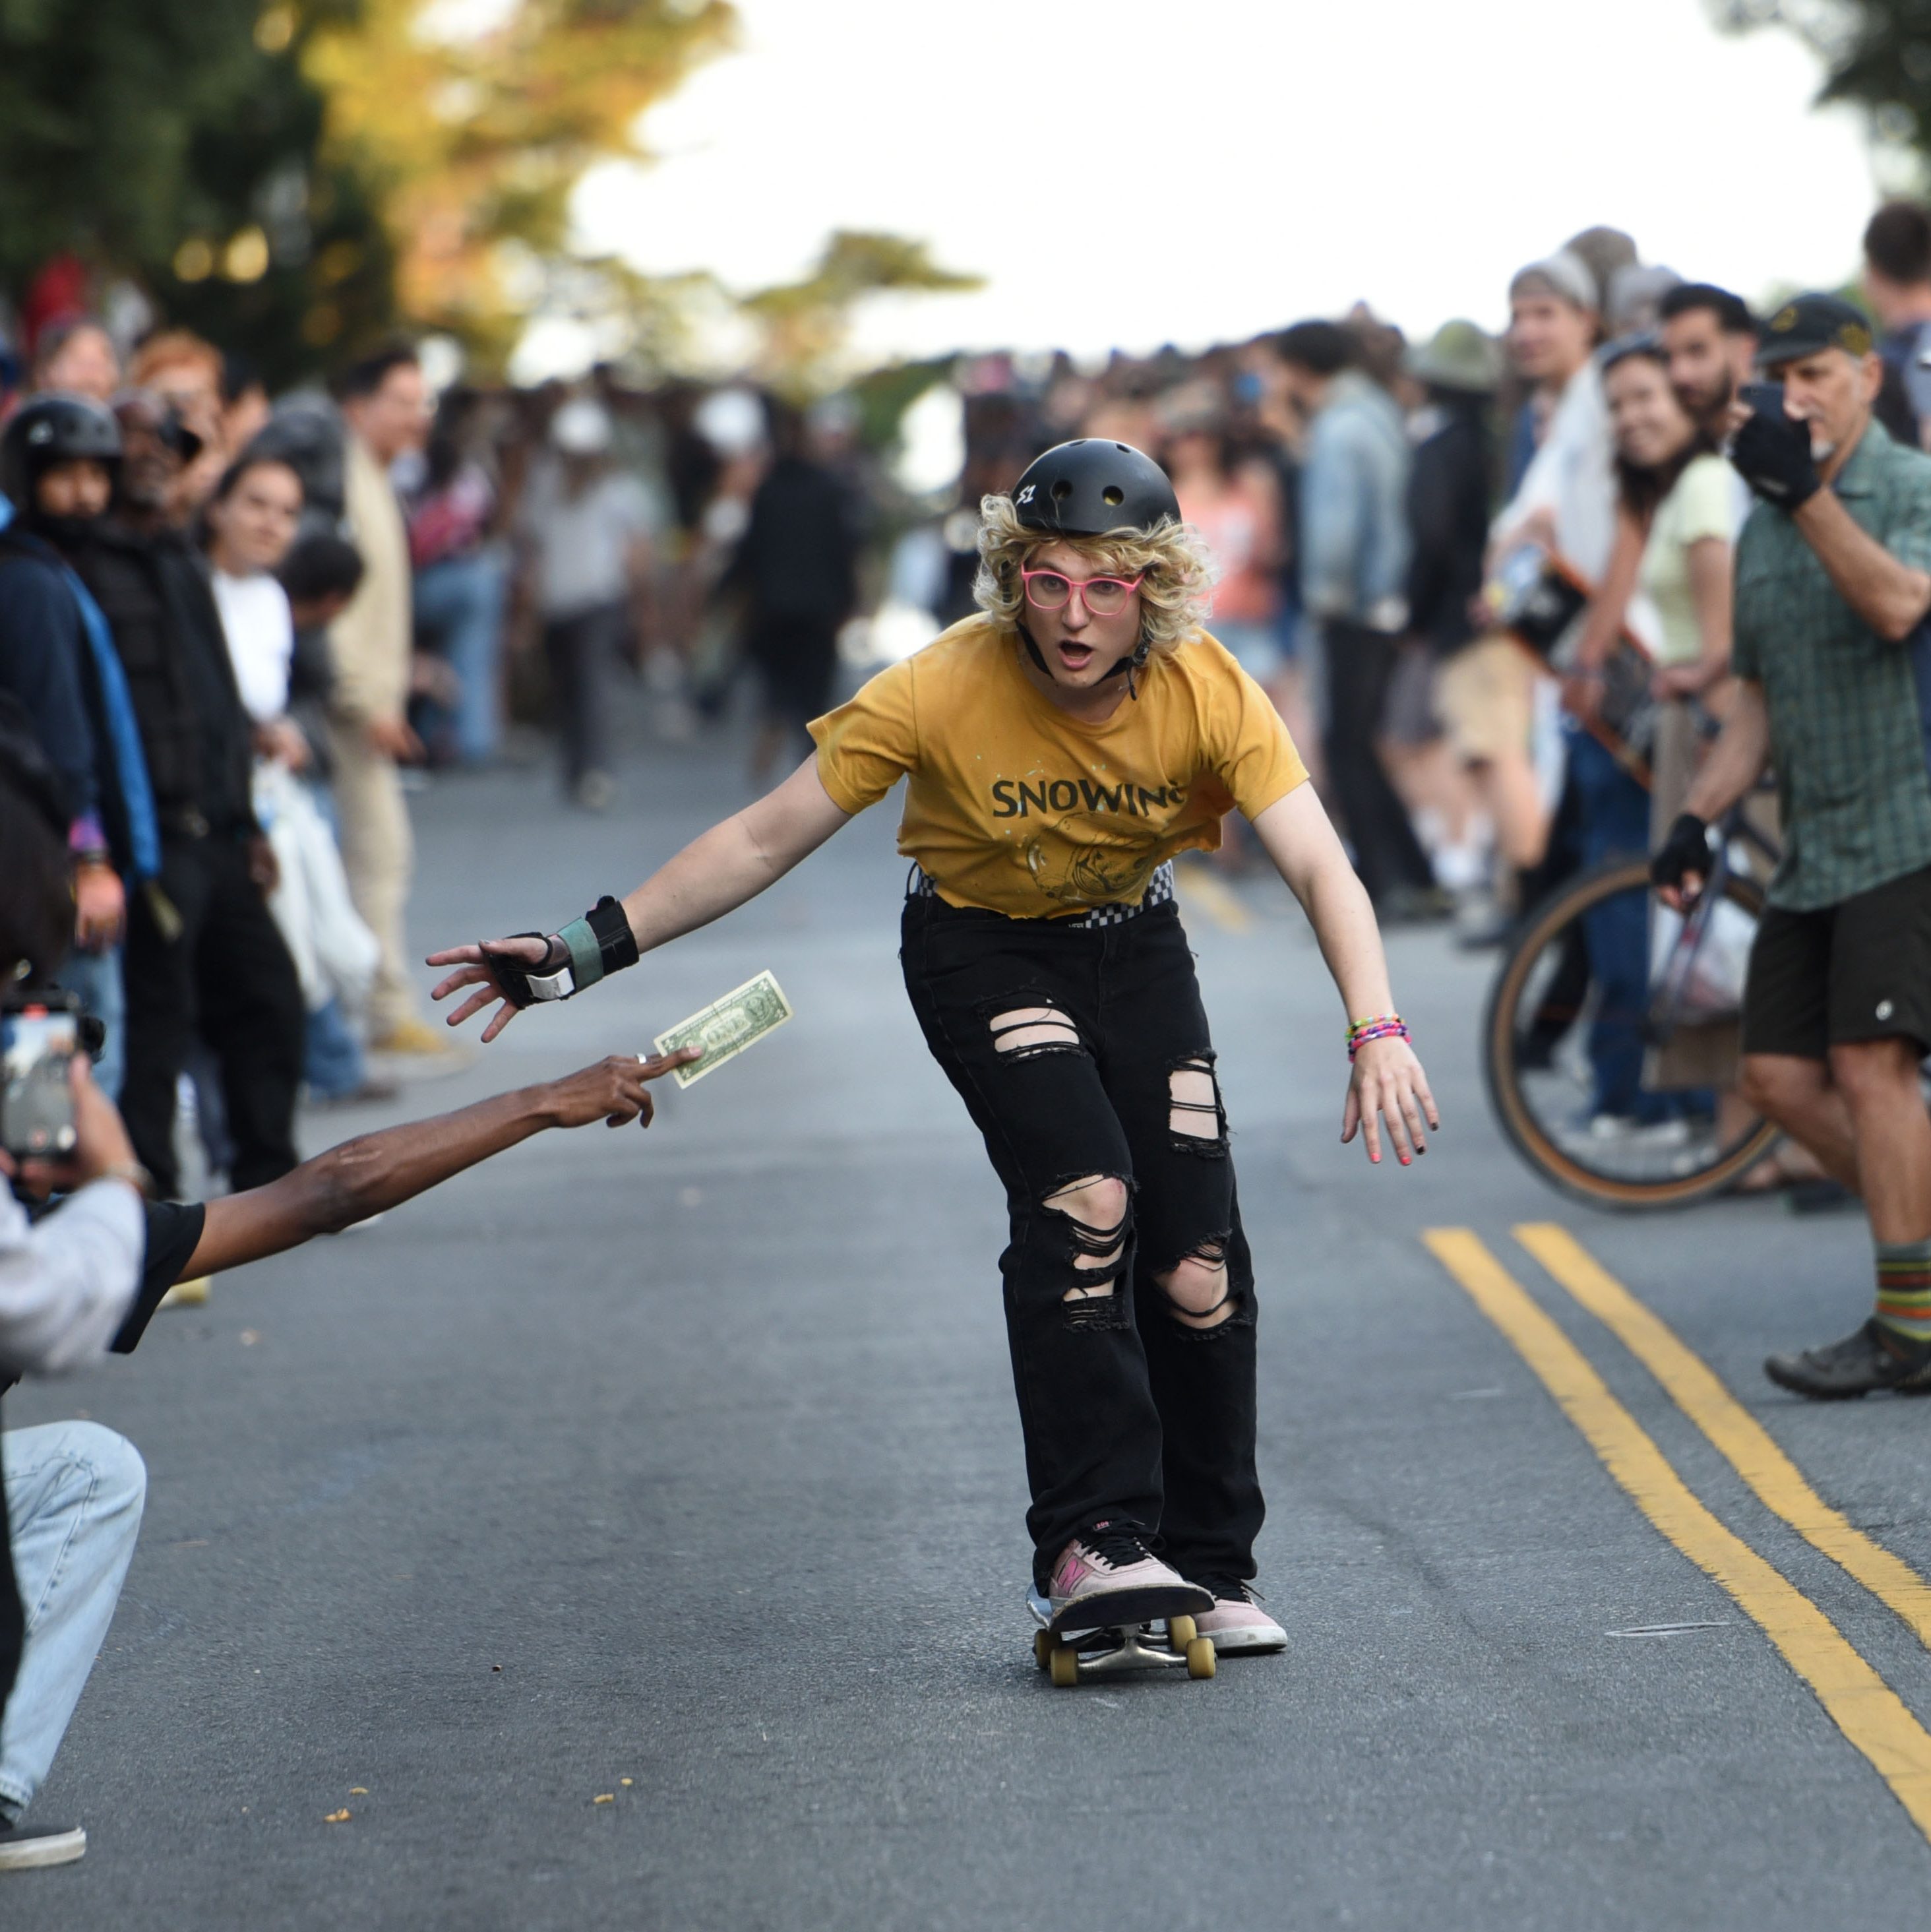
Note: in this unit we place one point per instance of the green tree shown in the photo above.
(295, 179)
(1876, 55)
(151, 135)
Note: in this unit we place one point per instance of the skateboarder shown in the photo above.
(1061, 747)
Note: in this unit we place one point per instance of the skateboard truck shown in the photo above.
(1110, 1650)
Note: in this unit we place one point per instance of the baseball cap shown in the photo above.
(1807, 323)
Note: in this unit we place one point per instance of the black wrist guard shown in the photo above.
(586, 950)
(1686, 849)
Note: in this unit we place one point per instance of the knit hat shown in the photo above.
(1565, 276)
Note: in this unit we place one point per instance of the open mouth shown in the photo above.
(1074, 657)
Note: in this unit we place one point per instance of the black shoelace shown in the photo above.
(1120, 1544)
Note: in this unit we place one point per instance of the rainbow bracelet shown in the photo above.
(1379, 1026)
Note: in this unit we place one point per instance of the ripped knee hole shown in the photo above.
(1096, 1210)
(1198, 1289)
(1027, 1031)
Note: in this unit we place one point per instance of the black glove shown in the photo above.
(1772, 455)
(1686, 849)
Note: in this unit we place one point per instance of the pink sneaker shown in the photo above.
(1236, 1622)
(1106, 1576)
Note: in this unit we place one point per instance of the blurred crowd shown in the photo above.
(244, 628)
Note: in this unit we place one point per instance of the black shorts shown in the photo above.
(1859, 970)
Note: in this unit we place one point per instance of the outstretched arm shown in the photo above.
(375, 1172)
(717, 872)
(1387, 1079)
(714, 874)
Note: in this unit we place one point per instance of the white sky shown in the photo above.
(1233, 164)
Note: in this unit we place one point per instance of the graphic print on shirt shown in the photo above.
(1079, 874)
(1093, 846)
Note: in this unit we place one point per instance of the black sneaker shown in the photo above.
(1873, 1358)
(23, 1846)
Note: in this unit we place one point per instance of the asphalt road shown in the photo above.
(683, 1468)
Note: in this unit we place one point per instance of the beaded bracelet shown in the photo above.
(1381, 1026)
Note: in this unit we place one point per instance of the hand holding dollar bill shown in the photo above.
(724, 1028)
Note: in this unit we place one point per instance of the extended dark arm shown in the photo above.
(375, 1172)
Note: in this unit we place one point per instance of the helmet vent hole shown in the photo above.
(1113, 495)
(1125, 449)
(1062, 490)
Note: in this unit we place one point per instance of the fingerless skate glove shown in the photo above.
(586, 950)
(1686, 849)
(1772, 455)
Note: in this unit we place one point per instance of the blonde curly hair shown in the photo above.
(1173, 600)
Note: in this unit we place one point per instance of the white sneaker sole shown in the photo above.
(60, 1848)
(1249, 1641)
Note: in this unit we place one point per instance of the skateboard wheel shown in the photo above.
(1042, 1648)
(1200, 1660)
(1064, 1664)
(1181, 1631)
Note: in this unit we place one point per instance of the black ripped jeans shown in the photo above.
(1127, 1410)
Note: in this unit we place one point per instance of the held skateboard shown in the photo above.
(1072, 1648)
(1536, 598)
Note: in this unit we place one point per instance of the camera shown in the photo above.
(40, 1033)
(1763, 399)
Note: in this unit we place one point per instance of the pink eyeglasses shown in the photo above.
(1104, 596)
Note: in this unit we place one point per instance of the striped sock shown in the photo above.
(1904, 1289)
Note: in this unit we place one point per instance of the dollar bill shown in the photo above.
(727, 1026)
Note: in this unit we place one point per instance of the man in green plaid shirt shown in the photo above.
(1834, 656)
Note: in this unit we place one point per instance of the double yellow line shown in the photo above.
(1864, 1707)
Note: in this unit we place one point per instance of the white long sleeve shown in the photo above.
(67, 1281)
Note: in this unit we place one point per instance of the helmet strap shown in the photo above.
(1032, 648)
(1130, 666)
(1134, 661)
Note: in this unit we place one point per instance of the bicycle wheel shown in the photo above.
(1549, 1028)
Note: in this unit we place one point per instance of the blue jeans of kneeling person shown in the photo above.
(74, 1496)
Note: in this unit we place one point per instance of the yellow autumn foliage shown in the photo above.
(472, 121)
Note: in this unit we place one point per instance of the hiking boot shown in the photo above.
(1106, 1576)
(1236, 1622)
(23, 1846)
(1873, 1358)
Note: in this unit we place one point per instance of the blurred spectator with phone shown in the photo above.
(72, 1491)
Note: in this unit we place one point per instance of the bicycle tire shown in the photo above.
(1525, 1132)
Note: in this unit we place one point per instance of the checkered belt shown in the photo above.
(1160, 889)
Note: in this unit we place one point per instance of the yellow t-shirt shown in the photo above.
(1017, 807)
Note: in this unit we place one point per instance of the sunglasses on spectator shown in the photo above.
(1104, 596)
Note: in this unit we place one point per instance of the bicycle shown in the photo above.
(1547, 1009)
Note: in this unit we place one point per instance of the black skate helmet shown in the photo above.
(50, 430)
(1086, 487)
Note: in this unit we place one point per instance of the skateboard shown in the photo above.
(1071, 1650)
